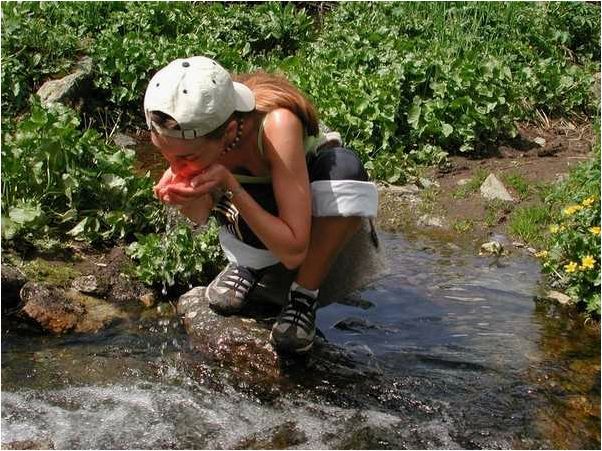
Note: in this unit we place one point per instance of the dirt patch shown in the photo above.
(540, 155)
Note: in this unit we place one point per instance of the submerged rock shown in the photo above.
(492, 247)
(282, 436)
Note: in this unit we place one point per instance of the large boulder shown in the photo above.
(68, 87)
(242, 344)
(59, 311)
(50, 308)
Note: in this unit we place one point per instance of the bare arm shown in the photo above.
(286, 235)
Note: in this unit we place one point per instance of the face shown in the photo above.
(188, 157)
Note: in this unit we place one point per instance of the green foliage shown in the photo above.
(405, 83)
(56, 177)
(519, 183)
(572, 257)
(179, 257)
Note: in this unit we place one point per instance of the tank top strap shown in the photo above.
(260, 137)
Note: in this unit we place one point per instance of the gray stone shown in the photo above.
(540, 141)
(462, 182)
(67, 87)
(492, 247)
(426, 183)
(559, 297)
(492, 189)
(431, 221)
(123, 140)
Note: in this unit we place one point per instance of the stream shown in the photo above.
(449, 351)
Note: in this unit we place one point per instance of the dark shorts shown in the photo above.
(335, 163)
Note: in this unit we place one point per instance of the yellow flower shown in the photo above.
(554, 228)
(595, 230)
(587, 262)
(589, 201)
(571, 267)
(542, 254)
(568, 211)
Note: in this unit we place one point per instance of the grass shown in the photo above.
(496, 211)
(58, 274)
(529, 223)
(472, 185)
(463, 225)
(521, 185)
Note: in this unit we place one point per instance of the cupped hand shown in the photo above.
(183, 190)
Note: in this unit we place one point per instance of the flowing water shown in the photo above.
(449, 351)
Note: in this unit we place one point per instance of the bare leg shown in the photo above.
(328, 236)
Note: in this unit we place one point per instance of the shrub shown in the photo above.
(179, 257)
(57, 178)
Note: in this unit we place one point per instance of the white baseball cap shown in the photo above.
(198, 93)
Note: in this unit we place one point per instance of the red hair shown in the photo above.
(274, 91)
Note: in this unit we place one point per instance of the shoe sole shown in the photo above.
(286, 350)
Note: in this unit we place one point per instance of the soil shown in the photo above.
(463, 211)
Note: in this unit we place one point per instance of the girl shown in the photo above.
(285, 191)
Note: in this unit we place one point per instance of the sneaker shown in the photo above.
(295, 328)
(227, 293)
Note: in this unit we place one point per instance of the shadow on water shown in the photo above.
(449, 351)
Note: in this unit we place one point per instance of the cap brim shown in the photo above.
(245, 99)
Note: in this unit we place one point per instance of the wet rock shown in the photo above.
(557, 296)
(492, 247)
(124, 290)
(354, 324)
(123, 140)
(89, 284)
(492, 188)
(68, 87)
(50, 307)
(98, 313)
(13, 280)
(431, 221)
(241, 344)
(29, 444)
(59, 311)
(282, 436)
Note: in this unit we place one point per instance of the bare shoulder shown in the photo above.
(282, 120)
